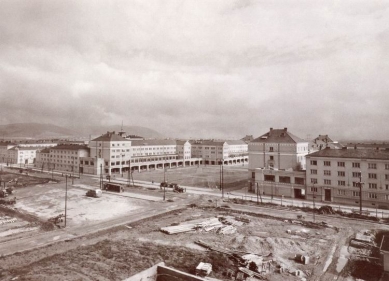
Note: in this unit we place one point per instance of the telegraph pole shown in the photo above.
(66, 196)
(360, 192)
(313, 200)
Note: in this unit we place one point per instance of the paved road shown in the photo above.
(47, 238)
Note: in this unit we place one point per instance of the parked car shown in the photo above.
(94, 193)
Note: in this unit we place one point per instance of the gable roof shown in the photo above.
(110, 136)
(352, 153)
(236, 142)
(69, 147)
(278, 136)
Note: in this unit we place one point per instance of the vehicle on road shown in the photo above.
(94, 193)
(3, 193)
(178, 189)
(113, 187)
(163, 184)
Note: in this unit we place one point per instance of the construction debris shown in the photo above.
(206, 225)
(229, 229)
(203, 269)
(301, 258)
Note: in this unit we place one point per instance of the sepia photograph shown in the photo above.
(194, 140)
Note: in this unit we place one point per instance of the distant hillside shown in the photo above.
(38, 130)
(34, 130)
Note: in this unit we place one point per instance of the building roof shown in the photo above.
(278, 136)
(70, 147)
(368, 145)
(45, 150)
(352, 153)
(235, 142)
(323, 138)
(181, 142)
(208, 142)
(155, 142)
(110, 136)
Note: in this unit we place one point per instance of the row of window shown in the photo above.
(343, 164)
(354, 174)
(355, 184)
(370, 195)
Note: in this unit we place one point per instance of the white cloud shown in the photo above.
(198, 68)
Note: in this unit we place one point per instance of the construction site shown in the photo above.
(121, 234)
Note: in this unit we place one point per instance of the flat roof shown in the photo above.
(351, 153)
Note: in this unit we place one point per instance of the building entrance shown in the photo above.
(327, 195)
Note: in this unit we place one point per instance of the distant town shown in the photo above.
(120, 206)
(279, 163)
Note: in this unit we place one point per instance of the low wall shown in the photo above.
(149, 274)
(170, 274)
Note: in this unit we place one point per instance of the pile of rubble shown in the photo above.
(222, 225)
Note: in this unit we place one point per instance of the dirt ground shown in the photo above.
(234, 177)
(119, 252)
(122, 252)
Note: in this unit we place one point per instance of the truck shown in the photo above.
(163, 184)
(179, 189)
(94, 193)
(113, 187)
(3, 193)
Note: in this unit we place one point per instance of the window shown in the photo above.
(372, 166)
(372, 186)
(271, 157)
(327, 172)
(387, 186)
(356, 165)
(386, 197)
(327, 182)
(341, 164)
(386, 177)
(386, 166)
(372, 176)
(372, 195)
(253, 175)
(271, 148)
(313, 189)
(112, 163)
(356, 193)
(341, 192)
(355, 184)
(341, 183)
(327, 163)
(313, 172)
(313, 180)
(314, 162)
(341, 174)
(356, 174)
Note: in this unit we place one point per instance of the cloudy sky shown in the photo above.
(198, 68)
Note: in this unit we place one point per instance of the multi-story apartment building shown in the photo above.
(111, 154)
(21, 152)
(214, 152)
(183, 149)
(276, 162)
(62, 157)
(334, 175)
(277, 149)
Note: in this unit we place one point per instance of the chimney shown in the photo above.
(271, 129)
(285, 129)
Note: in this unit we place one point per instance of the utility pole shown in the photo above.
(313, 200)
(66, 196)
(360, 192)
(222, 179)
